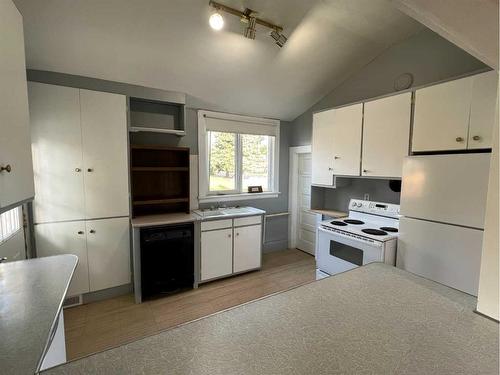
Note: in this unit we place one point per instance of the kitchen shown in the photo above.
(256, 194)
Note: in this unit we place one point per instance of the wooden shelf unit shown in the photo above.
(160, 179)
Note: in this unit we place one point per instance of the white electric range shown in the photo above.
(368, 234)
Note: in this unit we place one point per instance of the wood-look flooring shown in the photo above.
(106, 324)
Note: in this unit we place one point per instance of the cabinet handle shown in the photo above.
(365, 170)
(237, 234)
(459, 139)
(336, 157)
(330, 169)
(476, 138)
(7, 168)
(92, 231)
(3, 259)
(78, 170)
(90, 170)
(80, 232)
(229, 235)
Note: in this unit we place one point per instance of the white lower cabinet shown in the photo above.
(66, 238)
(230, 246)
(216, 253)
(108, 246)
(247, 252)
(102, 248)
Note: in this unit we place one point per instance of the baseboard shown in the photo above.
(107, 293)
(270, 246)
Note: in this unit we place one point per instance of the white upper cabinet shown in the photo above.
(79, 143)
(386, 135)
(441, 119)
(346, 137)
(105, 166)
(57, 152)
(322, 141)
(16, 169)
(482, 111)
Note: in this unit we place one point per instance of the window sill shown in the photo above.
(237, 197)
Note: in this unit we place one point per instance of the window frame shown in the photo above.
(204, 193)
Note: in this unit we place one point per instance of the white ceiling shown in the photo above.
(168, 44)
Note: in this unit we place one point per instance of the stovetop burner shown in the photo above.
(389, 229)
(375, 232)
(338, 223)
(353, 221)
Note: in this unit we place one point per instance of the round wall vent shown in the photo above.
(403, 82)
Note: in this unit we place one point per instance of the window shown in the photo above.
(236, 152)
(10, 223)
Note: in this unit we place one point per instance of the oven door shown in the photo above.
(338, 253)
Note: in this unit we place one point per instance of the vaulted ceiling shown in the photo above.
(168, 44)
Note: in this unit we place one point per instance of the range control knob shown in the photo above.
(359, 204)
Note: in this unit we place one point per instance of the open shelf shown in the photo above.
(160, 169)
(156, 116)
(159, 179)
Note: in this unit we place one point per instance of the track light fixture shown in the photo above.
(249, 17)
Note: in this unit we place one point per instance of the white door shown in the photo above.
(306, 220)
(57, 152)
(104, 140)
(482, 112)
(441, 119)
(386, 135)
(66, 238)
(216, 253)
(247, 248)
(16, 180)
(322, 155)
(346, 136)
(108, 244)
(448, 254)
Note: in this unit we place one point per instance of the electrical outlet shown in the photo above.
(366, 197)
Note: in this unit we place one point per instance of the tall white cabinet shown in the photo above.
(16, 172)
(81, 206)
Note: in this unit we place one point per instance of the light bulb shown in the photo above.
(216, 21)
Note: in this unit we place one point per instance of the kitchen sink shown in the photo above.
(224, 211)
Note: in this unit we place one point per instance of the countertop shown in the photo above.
(164, 219)
(331, 213)
(375, 319)
(181, 217)
(31, 296)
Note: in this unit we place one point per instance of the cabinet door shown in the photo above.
(57, 152)
(216, 253)
(346, 136)
(482, 112)
(441, 118)
(108, 243)
(104, 139)
(66, 238)
(322, 155)
(247, 248)
(17, 184)
(386, 135)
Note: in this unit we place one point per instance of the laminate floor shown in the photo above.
(106, 324)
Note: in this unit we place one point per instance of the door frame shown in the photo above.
(292, 191)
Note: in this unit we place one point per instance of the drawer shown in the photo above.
(251, 220)
(216, 224)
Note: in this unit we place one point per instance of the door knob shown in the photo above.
(80, 232)
(78, 169)
(476, 138)
(92, 231)
(7, 168)
(459, 139)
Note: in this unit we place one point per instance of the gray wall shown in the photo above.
(426, 55)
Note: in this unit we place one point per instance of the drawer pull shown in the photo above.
(80, 232)
(7, 168)
(459, 139)
(476, 138)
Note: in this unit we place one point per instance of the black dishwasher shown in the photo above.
(167, 259)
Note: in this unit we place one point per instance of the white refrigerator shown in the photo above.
(443, 201)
